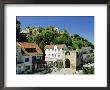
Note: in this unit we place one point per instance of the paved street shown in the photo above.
(63, 71)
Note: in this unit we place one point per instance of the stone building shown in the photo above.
(69, 59)
(60, 52)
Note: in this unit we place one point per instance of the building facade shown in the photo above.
(27, 56)
(55, 53)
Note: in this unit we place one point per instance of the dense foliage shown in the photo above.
(51, 35)
(17, 29)
(58, 64)
(88, 70)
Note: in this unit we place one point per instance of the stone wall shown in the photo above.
(71, 56)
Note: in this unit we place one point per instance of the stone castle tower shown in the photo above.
(69, 59)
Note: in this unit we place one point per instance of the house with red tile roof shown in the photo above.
(54, 52)
(27, 56)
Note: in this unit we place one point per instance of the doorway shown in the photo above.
(67, 63)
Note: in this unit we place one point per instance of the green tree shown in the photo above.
(21, 37)
(50, 35)
(18, 24)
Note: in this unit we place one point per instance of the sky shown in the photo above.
(81, 25)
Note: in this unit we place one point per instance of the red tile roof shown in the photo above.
(49, 46)
(25, 45)
(17, 44)
(61, 46)
(58, 46)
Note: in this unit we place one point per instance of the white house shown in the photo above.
(54, 52)
(27, 55)
(60, 52)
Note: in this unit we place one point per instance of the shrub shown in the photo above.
(88, 70)
(59, 64)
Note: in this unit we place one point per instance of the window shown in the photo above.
(67, 53)
(30, 49)
(48, 54)
(33, 58)
(52, 55)
(91, 51)
(38, 58)
(27, 67)
(55, 49)
(52, 49)
(55, 55)
(26, 59)
(47, 49)
(58, 55)
(58, 49)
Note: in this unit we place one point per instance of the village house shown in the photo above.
(60, 52)
(54, 52)
(28, 55)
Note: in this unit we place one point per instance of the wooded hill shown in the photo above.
(50, 35)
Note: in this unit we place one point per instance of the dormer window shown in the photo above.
(58, 55)
(30, 49)
(26, 59)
